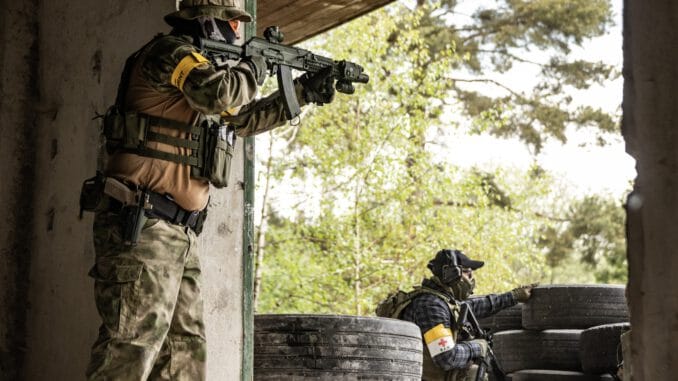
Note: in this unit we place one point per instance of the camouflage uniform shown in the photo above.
(149, 299)
(149, 295)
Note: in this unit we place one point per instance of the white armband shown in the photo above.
(439, 340)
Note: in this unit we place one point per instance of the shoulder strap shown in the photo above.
(426, 290)
(451, 303)
(418, 290)
(127, 73)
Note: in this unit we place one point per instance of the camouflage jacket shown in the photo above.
(229, 91)
(153, 89)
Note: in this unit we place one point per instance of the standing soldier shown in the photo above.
(449, 355)
(170, 134)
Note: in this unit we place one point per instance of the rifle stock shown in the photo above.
(283, 58)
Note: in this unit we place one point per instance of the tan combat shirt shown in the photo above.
(206, 90)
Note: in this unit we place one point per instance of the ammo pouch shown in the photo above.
(208, 147)
(114, 129)
(216, 157)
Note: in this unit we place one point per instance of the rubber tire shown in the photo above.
(312, 347)
(600, 347)
(504, 320)
(556, 349)
(574, 307)
(555, 375)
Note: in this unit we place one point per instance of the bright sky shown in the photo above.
(586, 169)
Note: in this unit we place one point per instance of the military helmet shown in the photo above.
(219, 9)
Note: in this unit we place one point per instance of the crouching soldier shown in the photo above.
(450, 353)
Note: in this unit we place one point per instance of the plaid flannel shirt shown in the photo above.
(427, 311)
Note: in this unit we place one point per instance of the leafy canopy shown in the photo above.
(380, 197)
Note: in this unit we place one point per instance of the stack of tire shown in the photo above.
(336, 347)
(563, 333)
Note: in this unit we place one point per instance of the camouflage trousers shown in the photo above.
(149, 300)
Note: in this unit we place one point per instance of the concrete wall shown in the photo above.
(18, 131)
(650, 128)
(60, 63)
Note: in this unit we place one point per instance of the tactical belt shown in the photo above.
(154, 204)
(166, 209)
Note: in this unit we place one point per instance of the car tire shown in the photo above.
(574, 307)
(504, 320)
(600, 347)
(556, 349)
(312, 347)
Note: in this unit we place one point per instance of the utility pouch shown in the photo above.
(124, 129)
(216, 155)
(114, 129)
(132, 219)
(92, 194)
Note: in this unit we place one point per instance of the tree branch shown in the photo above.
(507, 54)
(491, 81)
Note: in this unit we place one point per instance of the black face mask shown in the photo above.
(215, 29)
(227, 31)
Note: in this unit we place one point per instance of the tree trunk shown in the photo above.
(263, 227)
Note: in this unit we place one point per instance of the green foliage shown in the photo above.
(594, 234)
(344, 263)
(501, 36)
(388, 202)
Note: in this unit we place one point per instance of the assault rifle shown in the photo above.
(466, 316)
(281, 59)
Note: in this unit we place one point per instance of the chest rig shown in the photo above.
(208, 143)
(395, 303)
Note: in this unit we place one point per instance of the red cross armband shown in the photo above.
(439, 339)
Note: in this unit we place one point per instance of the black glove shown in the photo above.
(259, 67)
(318, 87)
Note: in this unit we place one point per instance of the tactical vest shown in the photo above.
(209, 142)
(395, 304)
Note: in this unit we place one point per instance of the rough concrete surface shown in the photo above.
(60, 64)
(650, 128)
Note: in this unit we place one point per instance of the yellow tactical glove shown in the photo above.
(483, 346)
(522, 293)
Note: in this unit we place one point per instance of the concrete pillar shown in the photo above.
(60, 63)
(19, 87)
(650, 128)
